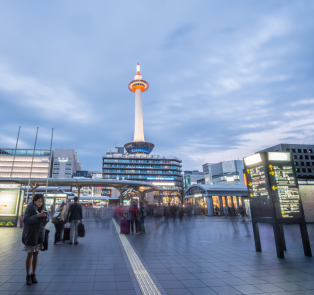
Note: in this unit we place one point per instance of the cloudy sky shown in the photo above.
(227, 78)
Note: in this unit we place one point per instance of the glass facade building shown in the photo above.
(161, 171)
(21, 166)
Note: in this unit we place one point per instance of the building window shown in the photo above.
(307, 163)
(311, 151)
(306, 157)
(295, 157)
(312, 157)
(309, 170)
(293, 150)
(305, 151)
(296, 163)
(299, 151)
(288, 150)
(302, 163)
(303, 170)
(301, 157)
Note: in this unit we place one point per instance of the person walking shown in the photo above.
(75, 216)
(59, 224)
(52, 210)
(142, 215)
(34, 221)
(134, 218)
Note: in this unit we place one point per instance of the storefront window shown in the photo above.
(216, 205)
(229, 202)
(235, 203)
(224, 202)
(240, 201)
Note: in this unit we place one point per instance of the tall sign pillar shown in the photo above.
(274, 197)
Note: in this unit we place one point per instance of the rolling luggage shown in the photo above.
(125, 226)
(66, 233)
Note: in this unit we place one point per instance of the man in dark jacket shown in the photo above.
(75, 216)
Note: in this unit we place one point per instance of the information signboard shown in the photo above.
(274, 197)
(284, 186)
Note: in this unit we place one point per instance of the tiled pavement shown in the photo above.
(201, 256)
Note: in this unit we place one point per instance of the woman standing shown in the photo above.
(34, 219)
(60, 224)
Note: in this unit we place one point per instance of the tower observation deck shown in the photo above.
(138, 146)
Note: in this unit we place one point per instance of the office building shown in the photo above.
(224, 173)
(192, 177)
(302, 155)
(137, 163)
(65, 163)
(22, 162)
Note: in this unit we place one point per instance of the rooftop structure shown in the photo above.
(303, 156)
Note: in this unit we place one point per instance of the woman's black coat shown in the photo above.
(32, 229)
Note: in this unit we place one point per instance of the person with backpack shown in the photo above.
(134, 218)
(142, 215)
(75, 216)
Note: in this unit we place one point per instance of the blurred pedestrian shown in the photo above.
(180, 212)
(52, 210)
(134, 218)
(74, 216)
(142, 215)
(59, 223)
(32, 235)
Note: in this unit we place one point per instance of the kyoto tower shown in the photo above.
(138, 146)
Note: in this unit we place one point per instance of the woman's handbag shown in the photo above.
(44, 245)
(56, 217)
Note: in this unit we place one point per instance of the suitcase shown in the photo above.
(125, 226)
(66, 233)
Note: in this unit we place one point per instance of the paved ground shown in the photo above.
(201, 256)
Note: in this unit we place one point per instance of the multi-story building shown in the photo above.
(191, 177)
(20, 163)
(65, 163)
(225, 173)
(303, 156)
(162, 171)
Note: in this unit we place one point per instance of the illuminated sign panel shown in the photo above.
(272, 186)
(139, 150)
(159, 178)
(254, 159)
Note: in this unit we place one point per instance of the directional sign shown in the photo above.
(271, 172)
(270, 167)
(274, 187)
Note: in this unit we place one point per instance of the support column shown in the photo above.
(305, 240)
(221, 209)
(34, 187)
(278, 240)
(210, 208)
(78, 193)
(257, 238)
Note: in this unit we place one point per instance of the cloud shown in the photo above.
(226, 80)
(51, 101)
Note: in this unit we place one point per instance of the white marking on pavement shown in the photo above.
(143, 278)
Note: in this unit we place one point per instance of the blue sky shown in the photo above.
(227, 78)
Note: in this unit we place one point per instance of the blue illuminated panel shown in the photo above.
(139, 150)
(159, 178)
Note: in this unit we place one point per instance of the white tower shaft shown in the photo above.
(138, 128)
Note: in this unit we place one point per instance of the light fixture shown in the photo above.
(254, 159)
